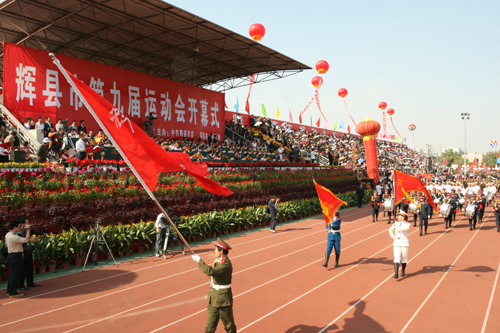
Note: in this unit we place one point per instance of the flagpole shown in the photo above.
(151, 195)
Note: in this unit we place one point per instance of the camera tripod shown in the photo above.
(97, 239)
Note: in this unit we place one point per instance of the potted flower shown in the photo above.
(65, 247)
(41, 253)
(3, 261)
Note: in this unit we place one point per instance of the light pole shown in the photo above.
(465, 117)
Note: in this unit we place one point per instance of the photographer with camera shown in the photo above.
(13, 242)
(28, 248)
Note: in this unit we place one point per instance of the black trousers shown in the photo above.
(472, 222)
(447, 220)
(375, 210)
(360, 200)
(27, 270)
(497, 216)
(15, 261)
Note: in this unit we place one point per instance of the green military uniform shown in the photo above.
(220, 296)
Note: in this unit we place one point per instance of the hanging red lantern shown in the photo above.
(342, 92)
(317, 81)
(322, 66)
(257, 31)
(390, 112)
(369, 129)
(382, 105)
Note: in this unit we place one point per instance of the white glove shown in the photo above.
(429, 217)
(196, 257)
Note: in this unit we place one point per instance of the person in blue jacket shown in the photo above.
(333, 239)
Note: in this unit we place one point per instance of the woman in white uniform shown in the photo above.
(399, 232)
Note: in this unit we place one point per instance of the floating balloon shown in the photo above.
(342, 92)
(493, 143)
(390, 112)
(257, 31)
(322, 66)
(382, 105)
(412, 127)
(317, 81)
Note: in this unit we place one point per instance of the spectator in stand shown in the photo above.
(47, 126)
(81, 147)
(4, 153)
(3, 131)
(15, 257)
(59, 125)
(2, 122)
(43, 150)
(90, 135)
(82, 127)
(40, 125)
(73, 126)
(65, 156)
(26, 148)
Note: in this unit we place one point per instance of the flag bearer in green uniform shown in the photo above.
(220, 296)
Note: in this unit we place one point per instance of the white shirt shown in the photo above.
(399, 232)
(58, 126)
(80, 145)
(159, 223)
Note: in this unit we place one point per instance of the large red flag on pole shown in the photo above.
(329, 202)
(141, 153)
(404, 183)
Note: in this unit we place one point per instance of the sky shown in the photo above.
(428, 60)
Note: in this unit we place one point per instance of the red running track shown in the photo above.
(452, 285)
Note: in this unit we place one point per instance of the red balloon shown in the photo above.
(322, 66)
(317, 81)
(382, 105)
(390, 112)
(257, 31)
(342, 92)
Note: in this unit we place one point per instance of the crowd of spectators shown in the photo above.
(262, 141)
(340, 149)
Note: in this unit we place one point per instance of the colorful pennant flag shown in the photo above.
(290, 115)
(263, 110)
(277, 113)
(342, 126)
(335, 126)
(349, 129)
(318, 122)
(311, 119)
(247, 105)
(237, 105)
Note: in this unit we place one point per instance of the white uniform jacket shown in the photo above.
(399, 232)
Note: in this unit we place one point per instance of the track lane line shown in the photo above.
(296, 270)
(177, 274)
(205, 284)
(155, 266)
(441, 279)
(491, 301)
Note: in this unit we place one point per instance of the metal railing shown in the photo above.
(22, 132)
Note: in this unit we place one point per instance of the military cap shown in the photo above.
(222, 244)
(403, 214)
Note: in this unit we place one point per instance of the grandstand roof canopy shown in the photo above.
(146, 36)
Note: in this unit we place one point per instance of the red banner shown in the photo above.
(34, 87)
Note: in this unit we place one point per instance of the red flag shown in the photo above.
(247, 106)
(405, 183)
(445, 162)
(349, 129)
(458, 168)
(318, 122)
(147, 157)
(329, 202)
(497, 154)
(300, 118)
